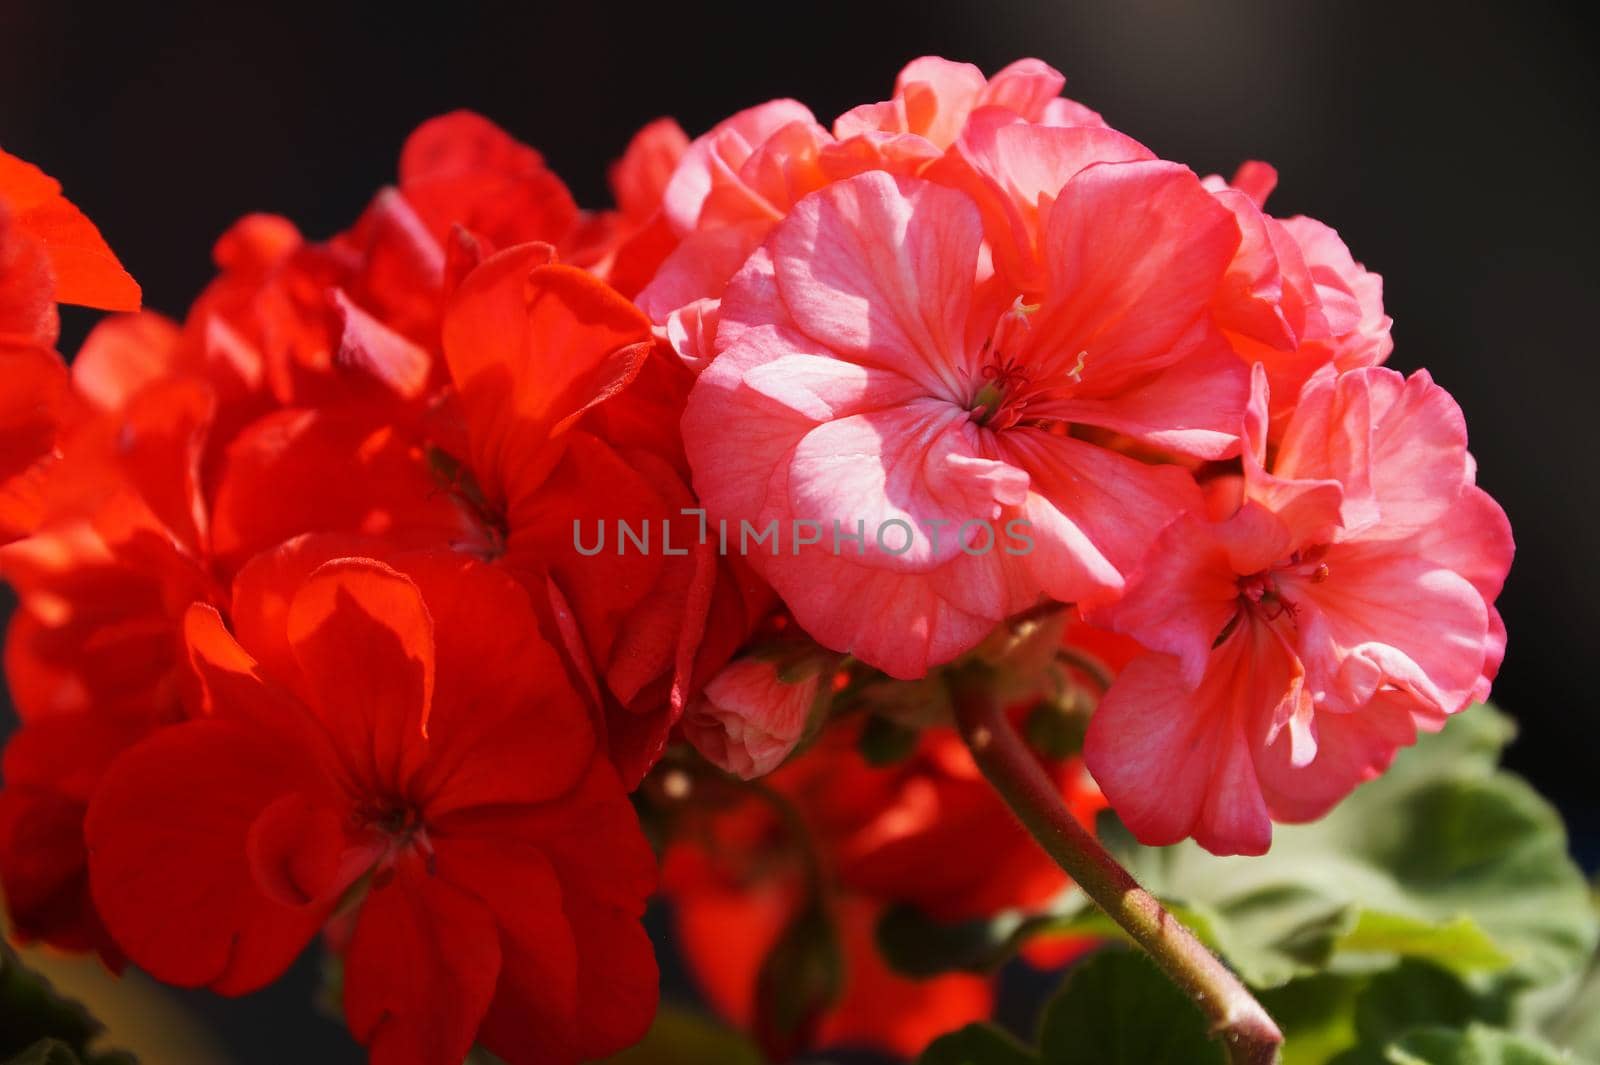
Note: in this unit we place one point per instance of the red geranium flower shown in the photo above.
(398, 751)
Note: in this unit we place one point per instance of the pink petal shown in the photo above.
(917, 463)
(1386, 615)
(699, 270)
(1014, 172)
(1134, 253)
(1094, 512)
(750, 717)
(1256, 180)
(1310, 508)
(691, 331)
(1185, 595)
(1474, 540)
(1351, 297)
(881, 272)
(1193, 407)
(1351, 748)
(1176, 762)
(1025, 86)
(732, 141)
(1398, 444)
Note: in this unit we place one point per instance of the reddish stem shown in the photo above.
(1238, 1020)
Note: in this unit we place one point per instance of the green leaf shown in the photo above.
(1477, 1045)
(46, 1052)
(917, 945)
(1316, 1015)
(1352, 1018)
(33, 1018)
(1417, 994)
(1575, 1024)
(681, 1037)
(884, 742)
(1117, 1008)
(1459, 942)
(977, 1044)
(799, 981)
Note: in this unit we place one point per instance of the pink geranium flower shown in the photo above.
(874, 372)
(1347, 603)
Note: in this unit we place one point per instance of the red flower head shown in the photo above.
(395, 750)
(541, 438)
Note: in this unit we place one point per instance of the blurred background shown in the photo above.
(1453, 147)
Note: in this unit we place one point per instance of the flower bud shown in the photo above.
(753, 714)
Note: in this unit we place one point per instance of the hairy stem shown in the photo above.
(1238, 1020)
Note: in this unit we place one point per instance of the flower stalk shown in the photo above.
(1238, 1020)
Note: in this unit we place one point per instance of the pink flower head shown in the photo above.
(883, 383)
(1298, 643)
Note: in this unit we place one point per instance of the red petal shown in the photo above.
(169, 868)
(368, 344)
(122, 356)
(534, 1015)
(507, 725)
(32, 403)
(86, 272)
(421, 970)
(530, 347)
(364, 642)
(294, 849)
(27, 291)
(462, 169)
(639, 178)
(266, 586)
(344, 470)
(607, 871)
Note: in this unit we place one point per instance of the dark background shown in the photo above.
(1453, 146)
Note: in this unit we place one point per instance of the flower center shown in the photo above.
(402, 828)
(1000, 402)
(1263, 592)
(1014, 376)
(456, 480)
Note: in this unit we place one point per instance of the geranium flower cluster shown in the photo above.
(321, 632)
